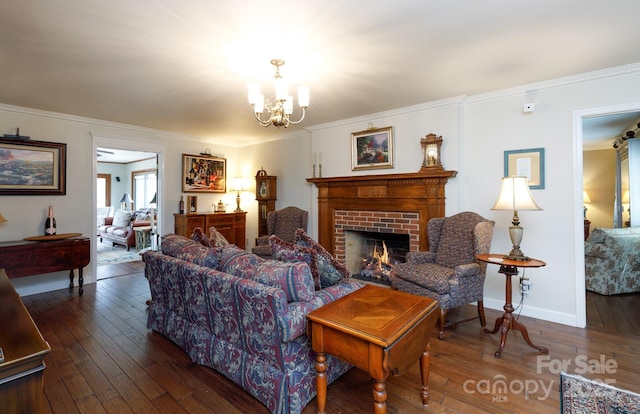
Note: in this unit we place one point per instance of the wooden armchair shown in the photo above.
(449, 271)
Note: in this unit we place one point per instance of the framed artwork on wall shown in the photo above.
(528, 163)
(32, 167)
(203, 174)
(372, 149)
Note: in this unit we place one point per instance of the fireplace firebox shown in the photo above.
(372, 255)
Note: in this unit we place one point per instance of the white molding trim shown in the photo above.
(97, 122)
(532, 312)
(624, 70)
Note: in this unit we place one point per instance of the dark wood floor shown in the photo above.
(105, 360)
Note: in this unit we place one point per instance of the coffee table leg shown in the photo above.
(379, 397)
(424, 373)
(321, 381)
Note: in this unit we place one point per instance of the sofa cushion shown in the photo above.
(238, 262)
(216, 239)
(185, 249)
(121, 218)
(291, 252)
(198, 236)
(331, 271)
(293, 278)
(326, 271)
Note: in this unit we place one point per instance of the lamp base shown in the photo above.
(238, 209)
(517, 256)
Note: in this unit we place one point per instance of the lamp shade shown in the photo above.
(585, 197)
(126, 198)
(237, 184)
(515, 195)
(2, 219)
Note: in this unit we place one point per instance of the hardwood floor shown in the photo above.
(105, 360)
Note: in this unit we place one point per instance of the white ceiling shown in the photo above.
(183, 66)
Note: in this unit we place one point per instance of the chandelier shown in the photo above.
(282, 106)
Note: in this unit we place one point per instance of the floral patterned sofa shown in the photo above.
(243, 316)
(612, 260)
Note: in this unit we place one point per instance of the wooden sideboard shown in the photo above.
(231, 225)
(27, 258)
(21, 386)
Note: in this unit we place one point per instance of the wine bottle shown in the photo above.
(181, 208)
(50, 223)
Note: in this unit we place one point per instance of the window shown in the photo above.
(103, 190)
(145, 185)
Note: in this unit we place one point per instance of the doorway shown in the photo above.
(585, 123)
(134, 168)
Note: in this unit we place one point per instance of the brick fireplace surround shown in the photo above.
(391, 203)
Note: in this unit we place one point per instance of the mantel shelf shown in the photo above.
(435, 173)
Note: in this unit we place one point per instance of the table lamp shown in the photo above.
(237, 185)
(126, 198)
(2, 219)
(515, 195)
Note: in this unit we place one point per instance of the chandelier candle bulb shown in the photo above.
(303, 96)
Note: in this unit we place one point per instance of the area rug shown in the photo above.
(579, 395)
(108, 254)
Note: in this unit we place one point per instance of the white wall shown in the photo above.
(476, 130)
(75, 212)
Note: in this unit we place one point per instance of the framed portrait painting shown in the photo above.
(32, 167)
(527, 163)
(203, 174)
(372, 148)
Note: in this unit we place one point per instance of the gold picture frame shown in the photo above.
(372, 149)
(204, 174)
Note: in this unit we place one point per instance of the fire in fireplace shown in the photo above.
(373, 255)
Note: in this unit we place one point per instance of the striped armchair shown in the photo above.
(449, 271)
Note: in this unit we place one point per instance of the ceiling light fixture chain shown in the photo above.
(281, 108)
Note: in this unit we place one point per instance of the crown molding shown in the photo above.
(616, 71)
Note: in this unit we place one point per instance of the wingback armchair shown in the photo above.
(449, 271)
(282, 223)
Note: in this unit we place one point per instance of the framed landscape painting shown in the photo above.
(372, 148)
(32, 167)
(203, 174)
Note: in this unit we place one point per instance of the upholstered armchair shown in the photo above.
(282, 223)
(449, 271)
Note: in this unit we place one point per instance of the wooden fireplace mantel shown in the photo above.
(421, 192)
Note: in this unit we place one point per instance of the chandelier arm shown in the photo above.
(260, 121)
(299, 120)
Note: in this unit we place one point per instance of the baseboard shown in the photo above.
(535, 312)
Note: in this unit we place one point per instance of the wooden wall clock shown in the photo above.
(266, 196)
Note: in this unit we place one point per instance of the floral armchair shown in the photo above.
(612, 262)
(449, 271)
(282, 223)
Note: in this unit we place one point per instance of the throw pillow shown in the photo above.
(199, 236)
(290, 252)
(293, 278)
(216, 239)
(121, 218)
(238, 262)
(331, 271)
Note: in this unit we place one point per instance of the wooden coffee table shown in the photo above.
(381, 331)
